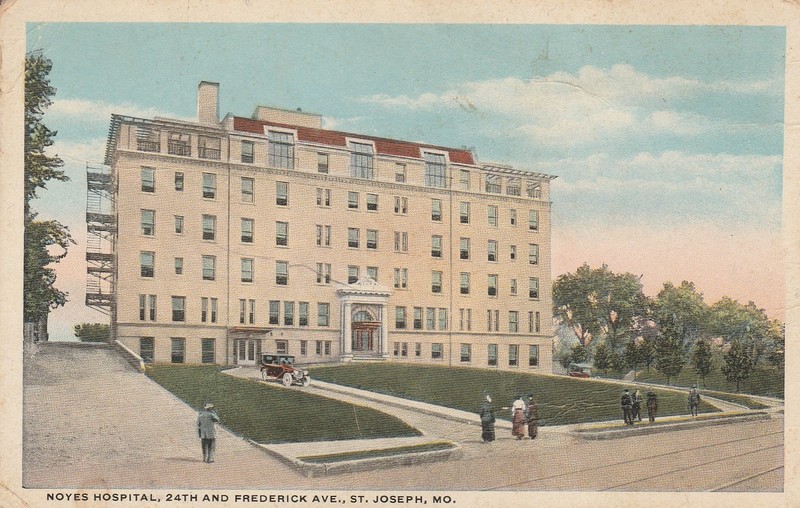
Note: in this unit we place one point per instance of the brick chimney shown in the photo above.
(208, 103)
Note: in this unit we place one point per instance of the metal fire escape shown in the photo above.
(101, 239)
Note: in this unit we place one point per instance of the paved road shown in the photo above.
(92, 421)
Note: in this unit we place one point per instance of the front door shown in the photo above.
(362, 340)
(246, 352)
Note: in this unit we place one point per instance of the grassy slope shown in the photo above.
(561, 400)
(267, 413)
(764, 380)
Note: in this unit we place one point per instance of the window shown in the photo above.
(323, 197)
(178, 350)
(178, 144)
(491, 250)
(148, 222)
(209, 267)
(372, 239)
(430, 318)
(209, 227)
(203, 310)
(352, 274)
(147, 349)
(352, 237)
(418, 349)
(436, 350)
(514, 187)
(442, 319)
(288, 313)
(492, 354)
(179, 308)
(436, 246)
(436, 282)
(401, 278)
(513, 252)
(242, 311)
(513, 354)
(400, 205)
(465, 319)
(513, 321)
(281, 149)
(282, 233)
(178, 266)
(372, 202)
(323, 313)
(464, 283)
(247, 152)
(492, 286)
(282, 347)
(322, 163)
(463, 248)
(208, 147)
(323, 273)
(282, 273)
(361, 160)
(323, 235)
(463, 212)
(533, 257)
(436, 210)
(533, 287)
(399, 317)
(207, 347)
(248, 190)
(302, 318)
(324, 347)
(214, 308)
(513, 287)
(274, 312)
(493, 184)
(435, 170)
(463, 179)
(492, 215)
(147, 307)
(247, 270)
(400, 173)
(533, 356)
(179, 224)
(303, 347)
(147, 266)
(466, 352)
(537, 322)
(372, 272)
(512, 217)
(148, 179)
(179, 181)
(209, 185)
(247, 230)
(417, 318)
(148, 139)
(534, 190)
(533, 220)
(281, 193)
(352, 200)
(251, 316)
(400, 241)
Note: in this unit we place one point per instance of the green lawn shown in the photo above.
(736, 398)
(561, 400)
(267, 413)
(765, 380)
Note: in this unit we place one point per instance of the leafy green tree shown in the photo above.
(680, 312)
(701, 359)
(92, 332)
(777, 354)
(598, 303)
(601, 357)
(632, 355)
(670, 356)
(738, 363)
(40, 293)
(616, 361)
(732, 321)
(580, 353)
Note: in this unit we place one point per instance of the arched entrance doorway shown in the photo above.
(365, 324)
(364, 327)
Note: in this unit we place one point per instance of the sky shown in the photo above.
(667, 141)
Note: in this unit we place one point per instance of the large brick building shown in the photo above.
(270, 233)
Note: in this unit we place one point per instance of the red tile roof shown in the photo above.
(383, 146)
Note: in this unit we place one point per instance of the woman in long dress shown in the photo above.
(518, 418)
(532, 418)
(486, 413)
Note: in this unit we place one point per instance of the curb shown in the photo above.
(667, 427)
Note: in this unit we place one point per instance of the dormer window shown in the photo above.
(514, 187)
(281, 149)
(361, 159)
(435, 170)
(493, 184)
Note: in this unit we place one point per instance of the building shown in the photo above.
(226, 238)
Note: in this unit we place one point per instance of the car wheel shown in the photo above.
(306, 381)
(264, 374)
(287, 379)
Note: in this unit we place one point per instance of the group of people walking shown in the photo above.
(523, 414)
(632, 406)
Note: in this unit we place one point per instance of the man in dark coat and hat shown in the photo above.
(532, 417)
(207, 431)
(652, 405)
(627, 407)
(486, 413)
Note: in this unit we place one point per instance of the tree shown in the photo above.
(670, 356)
(601, 357)
(632, 354)
(598, 302)
(679, 312)
(731, 320)
(40, 293)
(580, 353)
(738, 363)
(92, 332)
(701, 359)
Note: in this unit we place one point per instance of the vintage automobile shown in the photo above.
(282, 368)
(580, 370)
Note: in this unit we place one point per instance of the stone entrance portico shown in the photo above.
(365, 320)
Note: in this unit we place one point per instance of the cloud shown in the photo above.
(79, 151)
(100, 111)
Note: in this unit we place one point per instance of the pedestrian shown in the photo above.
(627, 407)
(637, 405)
(486, 413)
(652, 405)
(207, 430)
(518, 417)
(694, 400)
(532, 418)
